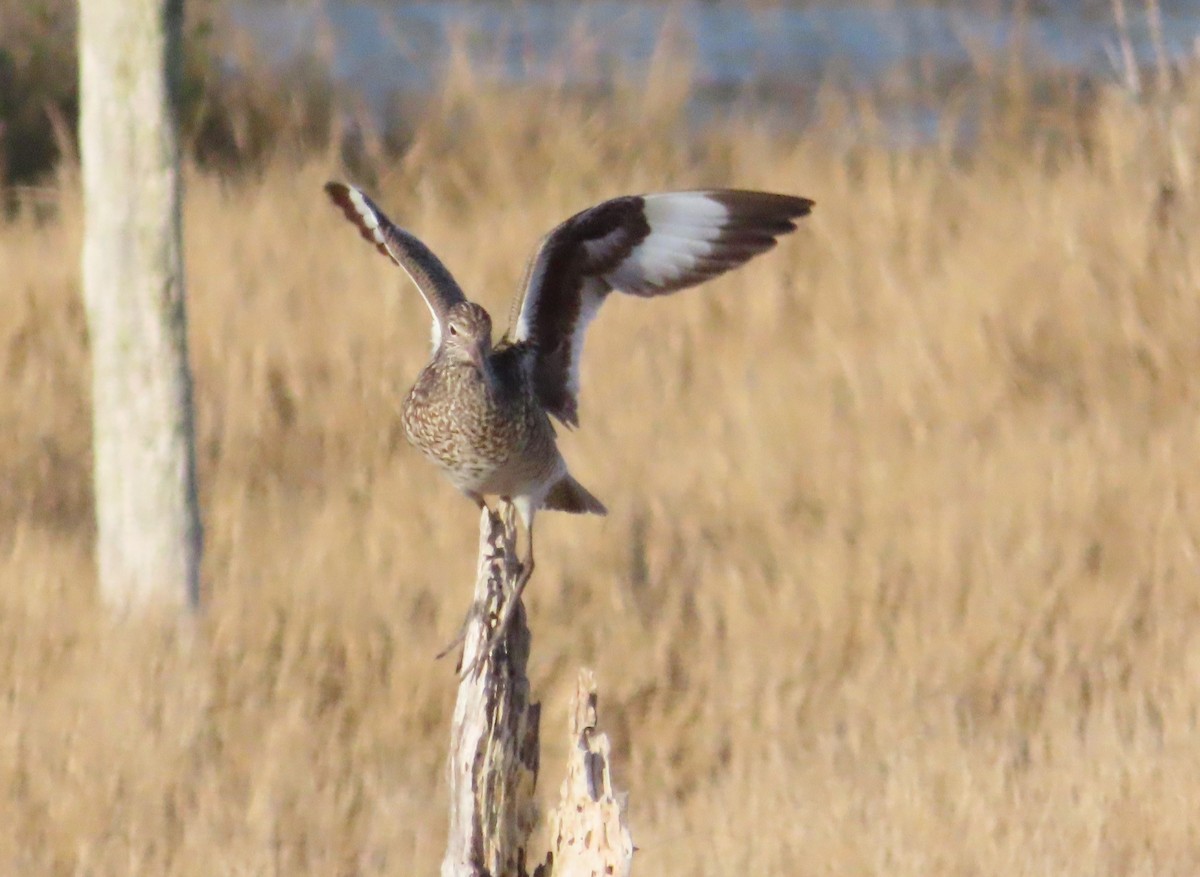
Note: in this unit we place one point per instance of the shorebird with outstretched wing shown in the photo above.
(481, 411)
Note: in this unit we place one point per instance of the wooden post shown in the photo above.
(494, 751)
(588, 829)
(494, 747)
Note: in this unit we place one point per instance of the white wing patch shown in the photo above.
(591, 297)
(683, 227)
(369, 217)
(533, 290)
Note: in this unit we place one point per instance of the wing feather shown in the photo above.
(433, 280)
(644, 245)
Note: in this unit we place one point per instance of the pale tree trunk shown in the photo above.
(495, 752)
(148, 540)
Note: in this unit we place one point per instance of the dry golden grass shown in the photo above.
(900, 572)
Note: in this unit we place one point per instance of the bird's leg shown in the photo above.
(473, 611)
(510, 605)
(524, 507)
(461, 636)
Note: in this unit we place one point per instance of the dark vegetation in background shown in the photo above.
(235, 109)
(38, 93)
(238, 109)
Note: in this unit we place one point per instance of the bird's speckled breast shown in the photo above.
(490, 438)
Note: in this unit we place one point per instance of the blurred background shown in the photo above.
(900, 574)
(267, 74)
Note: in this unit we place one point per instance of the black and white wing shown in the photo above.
(644, 245)
(435, 283)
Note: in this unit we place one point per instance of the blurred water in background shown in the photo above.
(907, 55)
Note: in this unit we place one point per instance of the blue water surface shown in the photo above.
(380, 49)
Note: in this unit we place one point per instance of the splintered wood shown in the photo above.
(495, 750)
(494, 746)
(589, 831)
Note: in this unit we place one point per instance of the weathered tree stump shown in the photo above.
(494, 747)
(589, 833)
(494, 750)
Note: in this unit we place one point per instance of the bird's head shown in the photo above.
(468, 335)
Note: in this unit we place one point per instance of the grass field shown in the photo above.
(900, 574)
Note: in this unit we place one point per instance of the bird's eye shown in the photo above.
(453, 329)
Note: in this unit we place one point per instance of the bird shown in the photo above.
(483, 411)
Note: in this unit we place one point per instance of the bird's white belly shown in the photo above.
(526, 475)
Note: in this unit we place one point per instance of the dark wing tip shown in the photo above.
(763, 215)
(801, 206)
(744, 205)
(340, 195)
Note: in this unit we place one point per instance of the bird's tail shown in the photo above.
(568, 495)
